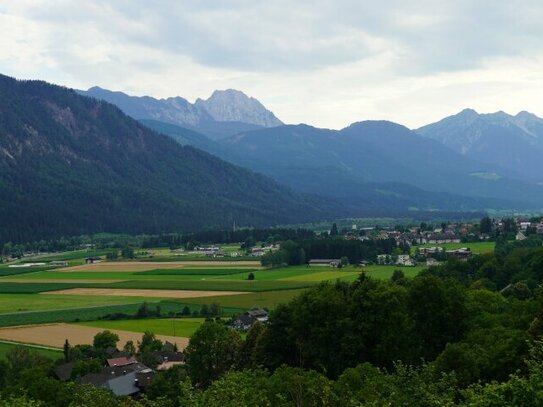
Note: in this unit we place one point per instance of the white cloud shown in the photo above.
(324, 63)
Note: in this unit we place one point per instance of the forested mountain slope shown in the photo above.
(71, 164)
(314, 160)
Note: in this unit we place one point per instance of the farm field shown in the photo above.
(99, 312)
(183, 327)
(131, 266)
(141, 293)
(55, 335)
(476, 247)
(53, 354)
(204, 279)
(266, 299)
(385, 272)
(34, 302)
(116, 276)
(46, 306)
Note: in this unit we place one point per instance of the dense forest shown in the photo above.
(464, 333)
(296, 252)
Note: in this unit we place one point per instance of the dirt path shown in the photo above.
(54, 335)
(125, 292)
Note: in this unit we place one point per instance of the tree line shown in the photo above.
(300, 252)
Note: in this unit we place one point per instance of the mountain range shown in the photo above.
(71, 164)
(224, 113)
(469, 155)
(514, 143)
(371, 164)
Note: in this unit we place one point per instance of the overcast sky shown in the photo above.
(325, 63)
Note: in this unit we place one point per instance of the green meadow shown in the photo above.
(475, 247)
(164, 326)
(53, 354)
(264, 299)
(100, 312)
(36, 302)
(22, 304)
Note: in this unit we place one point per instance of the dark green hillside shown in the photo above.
(71, 164)
(185, 136)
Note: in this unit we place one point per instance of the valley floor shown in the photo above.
(48, 305)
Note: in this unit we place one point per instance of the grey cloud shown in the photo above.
(424, 36)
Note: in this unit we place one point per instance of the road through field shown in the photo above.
(55, 335)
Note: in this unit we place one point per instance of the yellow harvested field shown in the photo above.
(55, 335)
(131, 266)
(128, 292)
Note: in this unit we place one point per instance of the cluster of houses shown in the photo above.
(122, 373)
(246, 320)
(217, 252)
(209, 251)
(261, 251)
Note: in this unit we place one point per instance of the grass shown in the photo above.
(98, 312)
(183, 327)
(35, 302)
(20, 303)
(213, 285)
(5, 347)
(96, 275)
(267, 299)
(193, 271)
(13, 271)
(73, 255)
(32, 288)
(197, 257)
(385, 272)
(475, 247)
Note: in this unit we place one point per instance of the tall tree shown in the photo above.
(213, 350)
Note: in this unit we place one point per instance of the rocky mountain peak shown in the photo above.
(232, 105)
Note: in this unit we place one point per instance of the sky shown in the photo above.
(324, 63)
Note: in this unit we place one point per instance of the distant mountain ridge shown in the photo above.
(377, 166)
(377, 163)
(372, 152)
(224, 113)
(511, 142)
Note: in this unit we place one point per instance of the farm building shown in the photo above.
(92, 260)
(463, 253)
(169, 359)
(248, 318)
(405, 260)
(384, 259)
